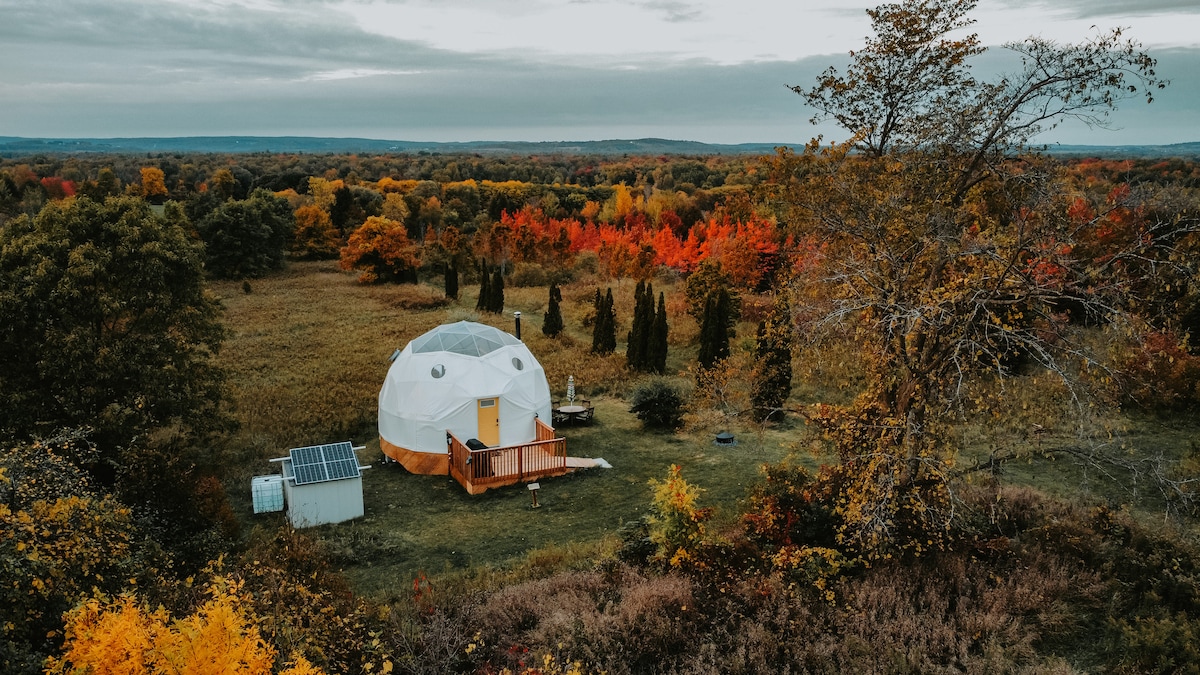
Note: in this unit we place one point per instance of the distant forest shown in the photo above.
(565, 181)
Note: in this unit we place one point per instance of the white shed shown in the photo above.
(469, 379)
(322, 484)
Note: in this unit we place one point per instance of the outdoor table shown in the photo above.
(571, 412)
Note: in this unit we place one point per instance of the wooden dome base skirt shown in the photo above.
(424, 463)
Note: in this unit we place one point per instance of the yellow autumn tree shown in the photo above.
(323, 190)
(394, 207)
(222, 183)
(677, 521)
(154, 185)
(315, 237)
(53, 554)
(590, 211)
(114, 637)
(620, 205)
(123, 637)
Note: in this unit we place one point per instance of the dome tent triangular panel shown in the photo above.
(436, 384)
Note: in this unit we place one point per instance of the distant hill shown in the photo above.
(13, 146)
(1182, 150)
(18, 147)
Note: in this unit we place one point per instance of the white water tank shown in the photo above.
(267, 493)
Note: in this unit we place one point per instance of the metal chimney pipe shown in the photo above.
(517, 316)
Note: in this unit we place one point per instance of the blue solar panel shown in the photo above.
(319, 463)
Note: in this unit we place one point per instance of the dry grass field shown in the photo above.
(307, 352)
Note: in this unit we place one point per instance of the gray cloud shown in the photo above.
(696, 100)
(177, 42)
(1095, 9)
(675, 12)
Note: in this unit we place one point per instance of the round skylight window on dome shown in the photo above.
(438, 371)
(517, 364)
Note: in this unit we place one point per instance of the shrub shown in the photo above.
(677, 523)
(587, 263)
(658, 404)
(1159, 373)
(528, 275)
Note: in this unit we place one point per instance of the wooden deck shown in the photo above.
(479, 470)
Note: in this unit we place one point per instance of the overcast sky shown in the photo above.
(539, 70)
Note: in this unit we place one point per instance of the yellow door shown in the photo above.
(489, 421)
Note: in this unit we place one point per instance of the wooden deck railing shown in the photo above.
(544, 431)
(478, 470)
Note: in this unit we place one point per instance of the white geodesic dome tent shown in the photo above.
(475, 381)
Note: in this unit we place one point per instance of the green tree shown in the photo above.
(705, 281)
(106, 322)
(657, 359)
(341, 210)
(637, 352)
(773, 367)
(246, 238)
(485, 295)
(552, 323)
(604, 331)
(451, 278)
(496, 292)
(946, 253)
(106, 185)
(714, 330)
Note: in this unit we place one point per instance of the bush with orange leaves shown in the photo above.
(382, 251)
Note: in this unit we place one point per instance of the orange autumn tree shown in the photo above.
(382, 251)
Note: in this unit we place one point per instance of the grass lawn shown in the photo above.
(429, 524)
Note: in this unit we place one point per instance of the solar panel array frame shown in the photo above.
(320, 463)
